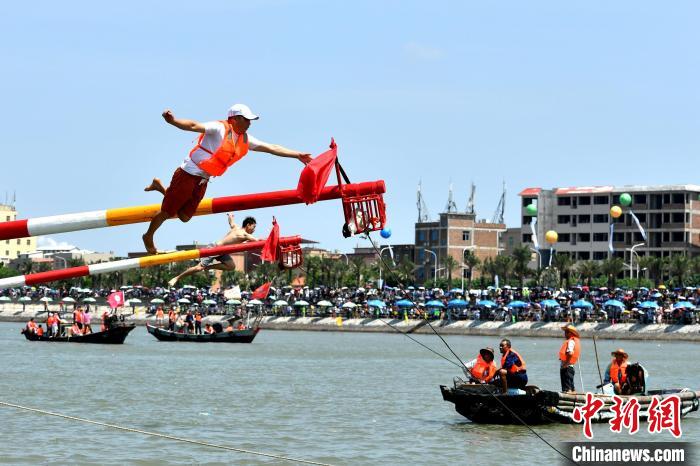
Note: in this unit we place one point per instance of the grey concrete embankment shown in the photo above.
(15, 313)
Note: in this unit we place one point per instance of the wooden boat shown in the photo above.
(484, 404)
(235, 336)
(115, 335)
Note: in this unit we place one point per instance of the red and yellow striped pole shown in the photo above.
(126, 215)
(141, 262)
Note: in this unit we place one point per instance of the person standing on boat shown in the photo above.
(513, 371)
(568, 356)
(220, 145)
(198, 322)
(616, 372)
(482, 369)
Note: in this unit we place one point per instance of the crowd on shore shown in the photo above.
(510, 304)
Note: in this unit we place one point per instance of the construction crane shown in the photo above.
(423, 214)
(500, 208)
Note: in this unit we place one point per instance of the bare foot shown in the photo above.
(148, 242)
(172, 282)
(155, 185)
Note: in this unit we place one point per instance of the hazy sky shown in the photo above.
(534, 93)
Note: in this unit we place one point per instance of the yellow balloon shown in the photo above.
(615, 211)
(551, 236)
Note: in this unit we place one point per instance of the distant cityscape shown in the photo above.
(668, 216)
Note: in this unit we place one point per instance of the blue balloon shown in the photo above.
(385, 233)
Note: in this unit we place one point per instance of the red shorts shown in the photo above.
(183, 194)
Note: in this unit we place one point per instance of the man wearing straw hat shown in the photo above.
(568, 356)
(616, 372)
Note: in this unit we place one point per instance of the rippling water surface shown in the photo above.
(340, 398)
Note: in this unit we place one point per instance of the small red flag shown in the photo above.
(262, 291)
(116, 299)
(315, 175)
(269, 252)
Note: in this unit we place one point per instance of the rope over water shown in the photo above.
(165, 436)
(390, 270)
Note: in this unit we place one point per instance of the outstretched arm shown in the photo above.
(281, 151)
(186, 125)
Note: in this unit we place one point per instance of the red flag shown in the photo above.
(315, 175)
(116, 299)
(269, 252)
(262, 291)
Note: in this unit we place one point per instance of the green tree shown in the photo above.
(450, 263)
(611, 268)
(487, 269)
(522, 255)
(503, 266)
(679, 266)
(588, 270)
(471, 261)
(563, 263)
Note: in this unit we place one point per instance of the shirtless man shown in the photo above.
(236, 235)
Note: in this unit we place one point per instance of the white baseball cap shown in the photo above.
(242, 110)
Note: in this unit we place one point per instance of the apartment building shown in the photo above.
(454, 234)
(670, 215)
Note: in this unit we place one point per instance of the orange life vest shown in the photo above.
(228, 153)
(159, 313)
(198, 317)
(483, 371)
(31, 325)
(573, 356)
(514, 369)
(618, 374)
(40, 330)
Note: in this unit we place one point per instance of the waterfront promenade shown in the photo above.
(601, 330)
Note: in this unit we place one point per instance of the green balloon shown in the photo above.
(625, 199)
(531, 209)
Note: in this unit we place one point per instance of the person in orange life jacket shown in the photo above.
(208, 329)
(568, 356)
(39, 330)
(616, 372)
(236, 235)
(75, 330)
(482, 368)
(31, 326)
(513, 371)
(221, 144)
(241, 326)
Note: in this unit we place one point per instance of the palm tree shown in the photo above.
(612, 267)
(471, 261)
(679, 265)
(588, 270)
(563, 263)
(503, 266)
(522, 255)
(655, 267)
(357, 268)
(405, 270)
(450, 263)
(487, 269)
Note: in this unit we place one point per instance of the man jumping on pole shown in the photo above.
(221, 144)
